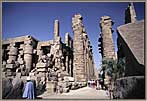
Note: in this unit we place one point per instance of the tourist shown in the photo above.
(29, 92)
(88, 83)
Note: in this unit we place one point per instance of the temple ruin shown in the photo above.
(52, 64)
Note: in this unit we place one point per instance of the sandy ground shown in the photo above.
(82, 93)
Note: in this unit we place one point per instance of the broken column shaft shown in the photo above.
(56, 29)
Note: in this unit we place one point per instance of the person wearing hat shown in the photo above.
(29, 89)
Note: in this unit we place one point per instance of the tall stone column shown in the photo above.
(85, 38)
(91, 64)
(130, 14)
(67, 54)
(28, 51)
(78, 62)
(56, 29)
(107, 47)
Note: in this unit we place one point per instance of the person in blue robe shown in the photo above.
(29, 90)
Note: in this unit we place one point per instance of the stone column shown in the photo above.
(107, 40)
(79, 63)
(39, 53)
(67, 57)
(28, 51)
(11, 59)
(20, 60)
(107, 45)
(130, 14)
(133, 13)
(56, 29)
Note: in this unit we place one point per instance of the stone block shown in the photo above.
(8, 48)
(11, 66)
(9, 73)
(16, 90)
(21, 62)
(12, 52)
(64, 85)
(21, 52)
(3, 74)
(21, 46)
(28, 50)
(41, 69)
(11, 60)
(41, 65)
(6, 87)
(31, 74)
(65, 90)
(50, 86)
(18, 75)
(41, 74)
(132, 87)
(74, 86)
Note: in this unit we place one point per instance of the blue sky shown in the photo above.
(37, 19)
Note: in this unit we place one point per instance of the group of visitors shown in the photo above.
(98, 84)
(92, 83)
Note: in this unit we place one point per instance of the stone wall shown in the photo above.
(132, 87)
(17, 55)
